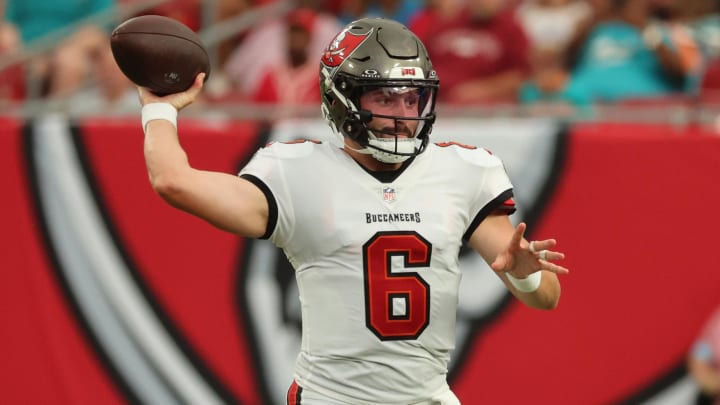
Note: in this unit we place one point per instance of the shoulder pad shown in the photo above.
(292, 149)
(470, 154)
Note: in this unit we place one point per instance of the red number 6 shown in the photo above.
(397, 305)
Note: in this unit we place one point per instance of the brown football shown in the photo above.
(159, 53)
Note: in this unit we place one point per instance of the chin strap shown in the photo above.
(404, 148)
(382, 155)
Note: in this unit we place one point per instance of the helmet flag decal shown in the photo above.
(341, 48)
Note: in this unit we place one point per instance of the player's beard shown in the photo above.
(399, 129)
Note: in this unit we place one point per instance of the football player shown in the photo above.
(372, 226)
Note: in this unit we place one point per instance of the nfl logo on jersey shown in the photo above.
(389, 194)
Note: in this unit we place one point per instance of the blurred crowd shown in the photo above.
(554, 52)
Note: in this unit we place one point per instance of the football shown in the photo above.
(159, 53)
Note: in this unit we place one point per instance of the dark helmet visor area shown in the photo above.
(420, 95)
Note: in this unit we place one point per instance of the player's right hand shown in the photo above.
(178, 100)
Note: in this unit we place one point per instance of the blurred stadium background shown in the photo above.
(109, 296)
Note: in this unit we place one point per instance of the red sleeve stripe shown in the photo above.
(503, 203)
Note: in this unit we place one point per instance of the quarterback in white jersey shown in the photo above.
(372, 227)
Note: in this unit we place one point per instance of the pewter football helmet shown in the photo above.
(373, 53)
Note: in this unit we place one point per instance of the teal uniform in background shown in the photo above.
(37, 18)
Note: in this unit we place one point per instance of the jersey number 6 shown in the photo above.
(397, 305)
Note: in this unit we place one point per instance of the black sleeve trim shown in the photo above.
(487, 210)
(272, 204)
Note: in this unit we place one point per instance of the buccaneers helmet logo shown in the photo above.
(342, 47)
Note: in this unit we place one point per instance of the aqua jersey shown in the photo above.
(614, 64)
(36, 18)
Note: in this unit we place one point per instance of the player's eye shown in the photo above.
(412, 100)
(381, 99)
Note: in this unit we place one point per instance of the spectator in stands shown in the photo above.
(295, 80)
(482, 52)
(266, 46)
(11, 77)
(627, 57)
(9, 38)
(551, 26)
(434, 12)
(195, 13)
(109, 92)
(398, 10)
(674, 17)
(702, 17)
(600, 11)
(704, 361)
(188, 12)
(225, 10)
(68, 64)
(37, 18)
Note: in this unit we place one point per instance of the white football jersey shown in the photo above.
(376, 262)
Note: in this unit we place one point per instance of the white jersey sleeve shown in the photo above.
(492, 191)
(267, 171)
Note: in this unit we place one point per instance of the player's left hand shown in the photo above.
(521, 258)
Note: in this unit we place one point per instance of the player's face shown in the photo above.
(396, 102)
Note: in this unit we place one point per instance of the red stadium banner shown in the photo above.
(111, 296)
